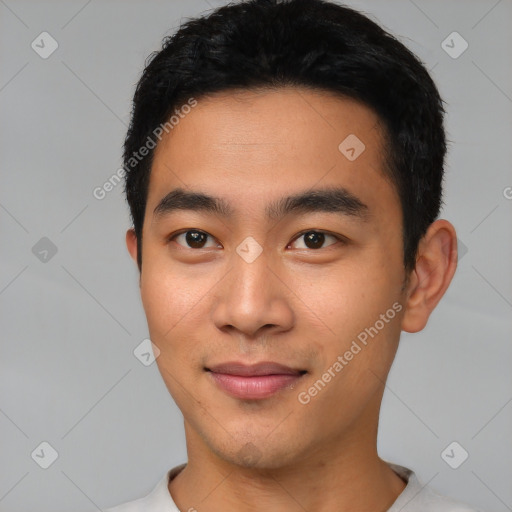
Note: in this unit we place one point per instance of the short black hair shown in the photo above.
(315, 44)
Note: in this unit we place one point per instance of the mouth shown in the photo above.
(254, 382)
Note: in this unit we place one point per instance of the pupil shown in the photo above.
(314, 240)
(195, 239)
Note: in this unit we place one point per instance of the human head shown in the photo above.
(310, 43)
(257, 160)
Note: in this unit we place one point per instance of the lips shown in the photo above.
(264, 368)
(252, 382)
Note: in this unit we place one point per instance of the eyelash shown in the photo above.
(302, 233)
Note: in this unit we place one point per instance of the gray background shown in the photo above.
(70, 323)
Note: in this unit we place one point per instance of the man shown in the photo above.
(284, 169)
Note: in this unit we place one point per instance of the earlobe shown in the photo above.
(436, 262)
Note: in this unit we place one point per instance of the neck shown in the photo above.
(346, 475)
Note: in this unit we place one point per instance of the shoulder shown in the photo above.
(417, 497)
(433, 502)
(140, 505)
(158, 500)
(132, 506)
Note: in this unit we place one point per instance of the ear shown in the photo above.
(436, 262)
(131, 244)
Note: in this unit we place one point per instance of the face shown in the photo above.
(313, 284)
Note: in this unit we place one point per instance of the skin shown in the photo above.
(295, 305)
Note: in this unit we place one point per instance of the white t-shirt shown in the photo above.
(414, 498)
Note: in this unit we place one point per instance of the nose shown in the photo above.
(253, 299)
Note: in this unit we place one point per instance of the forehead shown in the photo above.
(247, 145)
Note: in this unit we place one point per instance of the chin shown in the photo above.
(258, 453)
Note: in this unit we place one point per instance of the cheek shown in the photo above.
(170, 304)
(359, 307)
(169, 292)
(172, 307)
(352, 295)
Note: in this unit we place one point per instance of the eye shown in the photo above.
(194, 238)
(315, 239)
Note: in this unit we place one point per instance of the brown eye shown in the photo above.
(314, 239)
(193, 239)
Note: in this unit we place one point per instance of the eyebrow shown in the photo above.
(331, 199)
